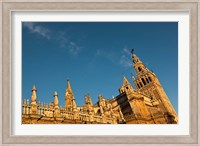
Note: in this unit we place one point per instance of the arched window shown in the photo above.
(143, 81)
(147, 80)
(150, 79)
(140, 84)
(139, 69)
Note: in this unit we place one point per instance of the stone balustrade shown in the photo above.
(44, 109)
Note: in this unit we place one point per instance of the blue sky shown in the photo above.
(95, 56)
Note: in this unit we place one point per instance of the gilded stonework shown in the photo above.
(147, 104)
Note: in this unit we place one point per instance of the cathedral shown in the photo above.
(147, 104)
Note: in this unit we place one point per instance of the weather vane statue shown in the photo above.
(132, 51)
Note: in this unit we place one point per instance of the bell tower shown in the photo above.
(147, 82)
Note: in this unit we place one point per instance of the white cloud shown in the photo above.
(29, 25)
(38, 29)
(125, 59)
(65, 42)
(126, 51)
(73, 48)
(110, 55)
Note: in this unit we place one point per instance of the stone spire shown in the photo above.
(69, 98)
(140, 68)
(136, 60)
(88, 100)
(56, 107)
(88, 105)
(69, 89)
(144, 75)
(34, 96)
(125, 81)
(33, 109)
(126, 87)
(56, 102)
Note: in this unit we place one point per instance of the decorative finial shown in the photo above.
(34, 88)
(33, 96)
(56, 99)
(68, 84)
(132, 76)
(55, 93)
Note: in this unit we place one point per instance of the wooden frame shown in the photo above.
(8, 6)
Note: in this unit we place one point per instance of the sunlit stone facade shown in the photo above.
(147, 104)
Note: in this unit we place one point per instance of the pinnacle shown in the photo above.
(136, 59)
(55, 93)
(125, 80)
(68, 84)
(34, 88)
(69, 89)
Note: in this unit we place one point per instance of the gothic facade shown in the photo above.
(147, 104)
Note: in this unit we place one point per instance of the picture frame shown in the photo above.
(9, 6)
